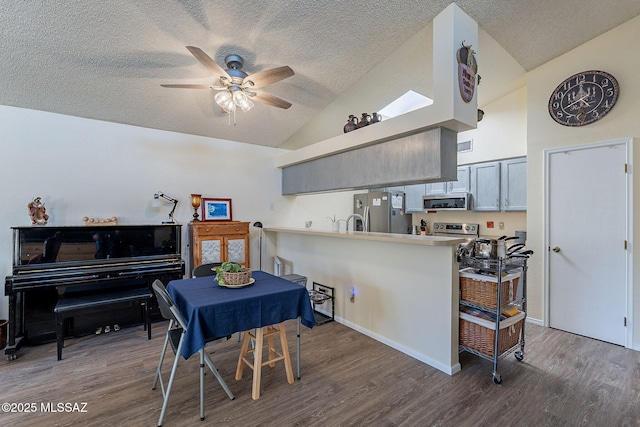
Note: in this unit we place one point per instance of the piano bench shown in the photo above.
(70, 306)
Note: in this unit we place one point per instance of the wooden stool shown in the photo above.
(257, 363)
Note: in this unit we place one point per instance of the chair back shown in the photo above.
(167, 308)
(205, 269)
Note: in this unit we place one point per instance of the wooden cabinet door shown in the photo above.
(210, 249)
(237, 249)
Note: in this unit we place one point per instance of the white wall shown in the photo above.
(84, 167)
(502, 133)
(610, 53)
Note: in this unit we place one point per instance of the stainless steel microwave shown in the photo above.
(449, 202)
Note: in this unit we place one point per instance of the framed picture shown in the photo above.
(216, 209)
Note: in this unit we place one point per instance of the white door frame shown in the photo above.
(628, 142)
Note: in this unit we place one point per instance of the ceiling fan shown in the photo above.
(235, 86)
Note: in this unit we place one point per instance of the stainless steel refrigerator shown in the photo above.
(384, 212)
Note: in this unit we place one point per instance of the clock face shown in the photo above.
(583, 98)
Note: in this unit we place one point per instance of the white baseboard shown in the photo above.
(450, 370)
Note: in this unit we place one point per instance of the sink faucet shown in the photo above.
(357, 216)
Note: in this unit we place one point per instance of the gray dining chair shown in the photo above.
(205, 269)
(175, 337)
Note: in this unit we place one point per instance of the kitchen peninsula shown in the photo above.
(399, 289)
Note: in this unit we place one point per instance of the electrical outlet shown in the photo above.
(501, 225)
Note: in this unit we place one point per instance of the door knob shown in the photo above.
(556, 249)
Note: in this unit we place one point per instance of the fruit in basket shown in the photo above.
(226, 267)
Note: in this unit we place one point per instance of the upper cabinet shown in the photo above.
(500, 186)
(494, 186)
(513, 185)
(461, 185)
(413, 197)
(415, 192)
(485, 186)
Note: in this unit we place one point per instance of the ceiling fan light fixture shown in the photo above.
(242, 100)
(225, 100)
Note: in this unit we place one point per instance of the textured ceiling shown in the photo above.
(106, 60)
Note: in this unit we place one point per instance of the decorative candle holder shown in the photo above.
(196, 199)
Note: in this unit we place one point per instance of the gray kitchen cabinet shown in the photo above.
(462, 184)
(413, 197)
(513, 195)
(396, 189)
(435, 188)
(485, 186)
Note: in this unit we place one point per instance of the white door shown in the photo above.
(587, 231)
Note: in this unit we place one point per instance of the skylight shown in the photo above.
(408, 102)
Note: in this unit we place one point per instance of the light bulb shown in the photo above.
(225, 100)
(242, 101)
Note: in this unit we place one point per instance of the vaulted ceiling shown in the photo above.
(106, 60)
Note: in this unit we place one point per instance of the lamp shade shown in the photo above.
(196, 199)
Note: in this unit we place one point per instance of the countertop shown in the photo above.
(409, 239)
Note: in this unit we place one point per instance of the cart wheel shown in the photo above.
(11, 357)
(519, 355)
(497, 379)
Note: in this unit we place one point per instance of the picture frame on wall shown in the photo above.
(216, 210)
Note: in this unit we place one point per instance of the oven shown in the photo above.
(452, 229)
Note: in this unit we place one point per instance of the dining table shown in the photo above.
(212, 311)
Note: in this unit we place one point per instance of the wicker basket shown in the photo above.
(240, 278)
(482, 290)
(479, 334)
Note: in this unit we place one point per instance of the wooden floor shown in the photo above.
(347, 379)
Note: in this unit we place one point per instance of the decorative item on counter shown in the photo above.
(424, 227)
(352, 124)
(92, 221)
(160, 195)
(375, 118)
(196, 199)
(37, 212)
(364, 120)
(335, 223)
(467, 70)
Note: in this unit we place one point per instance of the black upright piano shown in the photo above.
(50, 263)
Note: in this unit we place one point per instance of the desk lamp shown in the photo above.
(161, 195)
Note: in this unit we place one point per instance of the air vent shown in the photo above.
(465, 146)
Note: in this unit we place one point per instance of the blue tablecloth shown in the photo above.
(214, 311)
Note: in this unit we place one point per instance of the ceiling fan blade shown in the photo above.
(268, 99)
(266, 77)
(188, 86)
(207, 61)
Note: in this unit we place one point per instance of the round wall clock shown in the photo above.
(583, 98)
